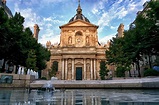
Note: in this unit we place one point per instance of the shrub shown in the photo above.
(120, 71)
(43, 78)
(151, 72)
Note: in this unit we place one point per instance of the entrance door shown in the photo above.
(78, 73)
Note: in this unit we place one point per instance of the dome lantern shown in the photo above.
(79, 15)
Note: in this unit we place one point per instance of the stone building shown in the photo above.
(79, 53)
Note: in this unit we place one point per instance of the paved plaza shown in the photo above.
(149, 82)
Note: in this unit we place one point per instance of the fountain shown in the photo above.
(19, 70)
(47, 87)
(22, 71)
(28, 72)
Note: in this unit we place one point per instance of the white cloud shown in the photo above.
(107, 38)
(112, 27)
(122, 13)
(49, 25)
(95, 10)
(48, 19)
(118, 10)
(103, 21)
(52, 38)
(47, 32)
(31, 17)
(52, 1)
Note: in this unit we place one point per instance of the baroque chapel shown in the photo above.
(79, 53)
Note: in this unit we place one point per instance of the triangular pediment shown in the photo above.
(77, 23)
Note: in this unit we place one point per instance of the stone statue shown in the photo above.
(48, 44)
(87, 39)
(69, 40)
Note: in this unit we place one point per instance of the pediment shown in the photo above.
(78, 23)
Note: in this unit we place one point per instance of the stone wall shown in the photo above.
(15, 80)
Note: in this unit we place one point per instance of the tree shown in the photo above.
(17, 44)
(31, 60)
(117, 54)
(11, 31)
(141, 40)
(120, 71)
(103, 70)
(54, 69)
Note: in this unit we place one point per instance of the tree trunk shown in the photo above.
(149, 56)
(138, 68)
(130, 73)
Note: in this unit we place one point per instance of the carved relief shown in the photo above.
(87, 40)
(48, 44)
(70, 40)
(79, 40)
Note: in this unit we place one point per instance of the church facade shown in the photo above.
(79, 53)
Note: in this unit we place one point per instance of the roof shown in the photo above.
(6, 9)
(79, 15)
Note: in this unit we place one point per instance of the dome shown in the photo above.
(6, 9)
(79, 15)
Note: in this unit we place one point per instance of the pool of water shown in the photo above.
(79, 97)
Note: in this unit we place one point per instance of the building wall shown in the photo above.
(78, 48)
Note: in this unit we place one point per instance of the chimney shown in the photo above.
(36, 31)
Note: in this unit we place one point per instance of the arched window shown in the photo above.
(78, 33)
(79, 38)
(54, 69)
(55, 66)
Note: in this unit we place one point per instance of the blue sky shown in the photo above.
(50, 14)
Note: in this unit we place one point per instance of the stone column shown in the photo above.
(85, 73)
(63, 65)
(94, 68)
(66, 70)
(91, 70)
(73, 69)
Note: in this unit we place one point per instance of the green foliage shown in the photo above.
(0, 70)
(142, 39)
(103, 70)
(31, 60)
(43, 78)
(17, 43)
(54, 69)
(120, 71)
(156, 61)
(43, 55)
(151, 72)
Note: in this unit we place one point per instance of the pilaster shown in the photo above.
(73, 73)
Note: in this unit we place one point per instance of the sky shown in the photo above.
(50, 14)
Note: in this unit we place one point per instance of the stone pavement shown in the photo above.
(151, 82)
